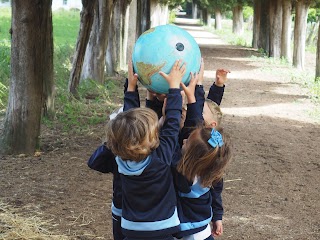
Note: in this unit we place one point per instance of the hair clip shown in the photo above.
(215, 139)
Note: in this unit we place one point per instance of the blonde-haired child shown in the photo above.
(144, 160)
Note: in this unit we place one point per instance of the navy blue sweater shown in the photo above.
(103, 160)
(149, 207)
(196, 205)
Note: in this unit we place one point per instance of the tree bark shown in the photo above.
(159, 13)
(264, 29)
(48, 84)
(143, 16)
(194, 10)
(204, 18)
(132, 28)
(218, 19)
(237, 20)
(275, 16)
(30, 45)
(256, 23)
(94, 62)
(318, 57)
(300, 28)
(117, 43)
(286, 30)
(87, 15)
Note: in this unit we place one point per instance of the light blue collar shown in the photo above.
(132, 168)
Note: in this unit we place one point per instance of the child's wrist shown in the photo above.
(219, 84)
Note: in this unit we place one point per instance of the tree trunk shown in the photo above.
(204, 14)
(237, 20)
(48, 84)
(87, 16)
(318, 57)
(218, 19)
(117, 43)
(300, 28)
(143, 16)
(132, 28)
(159, 13)
(286, 30)
(312, 33)
(94, 62)
(275, 16)
(264, 29)
(256, 23)
(208, 17)
(194, 10)
(30, 46)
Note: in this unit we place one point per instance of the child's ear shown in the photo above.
(213, 124)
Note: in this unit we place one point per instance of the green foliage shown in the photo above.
(66, 26)
(91, 107)
(62, 61)
(313, 15)
(3, 96)
(226, 34)
(247, 13)
(4, 73)
(172, 16)
(5, 23)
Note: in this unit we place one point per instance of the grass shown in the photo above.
(226, 34)
(71, 114)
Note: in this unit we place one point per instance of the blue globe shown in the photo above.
(157, 49)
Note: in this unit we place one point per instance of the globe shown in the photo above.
(157, 49)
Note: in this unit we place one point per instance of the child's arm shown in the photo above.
(102, 160)
(217, 206)
(217, 89)
(194, 109)
(131, 96)
(171, 127)
(153, 103)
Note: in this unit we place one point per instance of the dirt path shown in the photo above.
(271, 187)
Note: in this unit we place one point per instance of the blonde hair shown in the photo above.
(200, 159)
(134, 134)
(215, 111)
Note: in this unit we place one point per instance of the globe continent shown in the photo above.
(157, 49)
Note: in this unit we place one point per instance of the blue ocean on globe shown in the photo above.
(157, 49)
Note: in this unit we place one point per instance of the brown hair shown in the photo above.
(200, 159)
(133, 134)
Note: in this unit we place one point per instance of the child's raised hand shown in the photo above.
(132, 78)
(189, 91)
(221, 77)
(175, 76)
(217, 228)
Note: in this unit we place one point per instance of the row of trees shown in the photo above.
(105, 41)
(271, 24)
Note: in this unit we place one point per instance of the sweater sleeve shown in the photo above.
(170, 130)
(194, 114)
(131, 99)
(216, 93)
(102, 160)
(155, 105)
(217, 207)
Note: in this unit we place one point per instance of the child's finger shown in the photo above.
(164, 75)
(184, 87)
(183, 68)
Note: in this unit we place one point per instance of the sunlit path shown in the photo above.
(277, 96)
